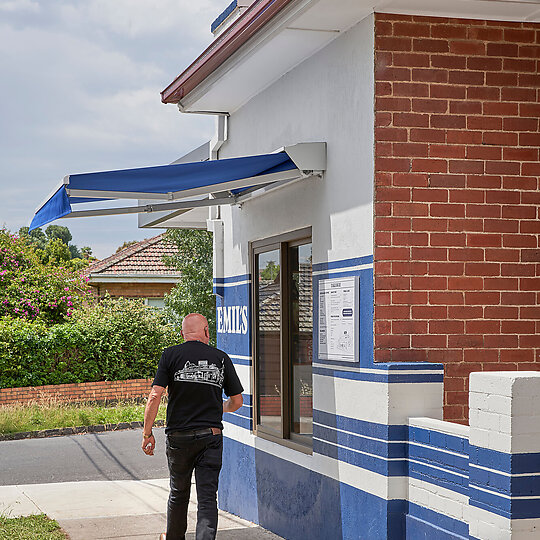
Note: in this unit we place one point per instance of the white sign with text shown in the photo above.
(338, 319)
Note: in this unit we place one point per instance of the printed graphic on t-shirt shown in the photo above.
(203, 372)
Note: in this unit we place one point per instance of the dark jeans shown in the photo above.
(204, 455)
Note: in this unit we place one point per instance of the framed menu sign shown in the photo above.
(339, 319)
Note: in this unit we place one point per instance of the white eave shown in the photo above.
(306, 26)
(133, 278)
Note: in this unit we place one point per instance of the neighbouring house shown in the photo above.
(388, 153)
(137, 271)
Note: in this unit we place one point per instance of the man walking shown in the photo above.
(196, 375)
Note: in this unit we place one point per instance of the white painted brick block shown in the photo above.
(478, 400)
(505, 423)
(526, 529)
(473, 417)
(488, 420)
(421, 399)
(525, 443)
(526, 424)
(491, 383)
(445, 506)
(523, 405)
(478, 528)
(479, 436)
(436, 413)
(528, 384)
(501, 442)
(417, 495)
(500, 404)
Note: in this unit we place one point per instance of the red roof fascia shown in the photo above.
(224, 46)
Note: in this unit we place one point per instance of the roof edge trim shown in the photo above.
(226, 44)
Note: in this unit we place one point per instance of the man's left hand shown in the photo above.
(148, 445)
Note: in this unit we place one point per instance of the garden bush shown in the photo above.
(115, 339)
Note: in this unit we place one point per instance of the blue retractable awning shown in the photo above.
(204, 183)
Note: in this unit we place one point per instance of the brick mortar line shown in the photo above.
(60, 432)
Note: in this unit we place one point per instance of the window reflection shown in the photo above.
(268, 336)
(301, 335)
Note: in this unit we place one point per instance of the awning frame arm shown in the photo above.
(149, 208)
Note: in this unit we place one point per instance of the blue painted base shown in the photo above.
(297, 503)
(418, 529)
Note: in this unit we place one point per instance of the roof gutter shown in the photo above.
(222, 48)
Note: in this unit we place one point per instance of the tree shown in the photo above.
(126, 244)
(36, 237)
(194, 262)
(270, 272)
(86, 253)
(75, 252)
(49, 250)
(56, 252)
(58, 232)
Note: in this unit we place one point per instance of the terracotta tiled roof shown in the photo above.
(144, 257)
(269, 301)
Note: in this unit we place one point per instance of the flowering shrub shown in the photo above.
(53, 331)
(113, 340)
(32, 290)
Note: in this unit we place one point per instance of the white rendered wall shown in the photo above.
(327, 98)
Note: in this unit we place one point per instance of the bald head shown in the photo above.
(195, 328)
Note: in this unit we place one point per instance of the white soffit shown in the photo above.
(194, 218)
(501, 10)
(307, 26)
(295, 34)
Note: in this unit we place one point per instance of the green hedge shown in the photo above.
(113, 340)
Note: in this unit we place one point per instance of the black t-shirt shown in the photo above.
(196, 375)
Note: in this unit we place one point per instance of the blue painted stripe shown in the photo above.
(438, 439)
(237, 420)
(438, 477)
(398, 366)
(371, 463)
(438, 458)
(223, 15)
(418, 529)
(382, 377)
(511, 508)
(386, 449)
(342, 273)
(439, 520)
(509, 463)
(389, 432)
(386, 367)
(243, 411)
(247, 399)
(233, 279)
(516, 486)
(357, 261)
(241, 361)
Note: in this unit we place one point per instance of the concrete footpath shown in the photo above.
(120, 509)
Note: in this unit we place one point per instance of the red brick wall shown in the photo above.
(457, 258)
(65, 393)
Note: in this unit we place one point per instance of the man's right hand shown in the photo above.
(148, 445)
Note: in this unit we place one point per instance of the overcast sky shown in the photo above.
(80, 84)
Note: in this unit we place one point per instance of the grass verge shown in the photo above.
(52, 415)
(38, 527)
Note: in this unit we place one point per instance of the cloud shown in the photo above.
(137, 18)
(19, 5)
(80, 92)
